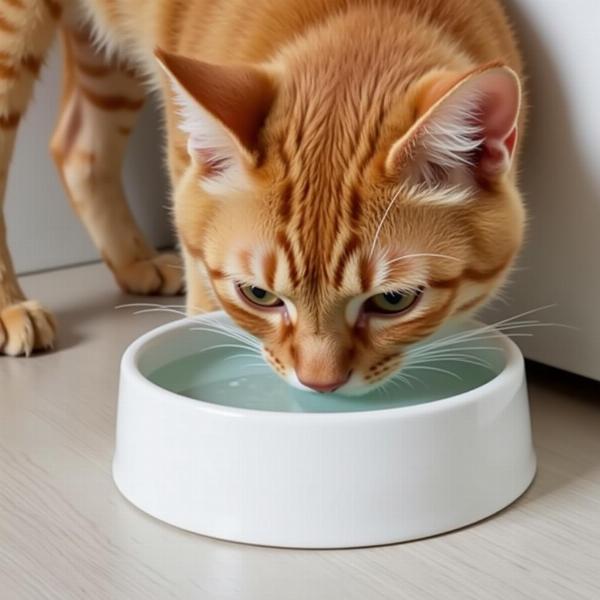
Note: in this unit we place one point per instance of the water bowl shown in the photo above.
(211, 441)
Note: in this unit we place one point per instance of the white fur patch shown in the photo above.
(450, 136)
(423, 193)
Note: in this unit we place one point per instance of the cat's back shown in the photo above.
(241, 31)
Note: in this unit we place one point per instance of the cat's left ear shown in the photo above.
(223, 109)
(466, 129)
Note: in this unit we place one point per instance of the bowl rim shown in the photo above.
(513, 371)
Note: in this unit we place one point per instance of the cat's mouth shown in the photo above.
(355, 386)
(353, 383)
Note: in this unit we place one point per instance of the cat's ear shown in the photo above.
(466, 129)
(223, 108)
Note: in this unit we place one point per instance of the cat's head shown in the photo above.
(341, 224)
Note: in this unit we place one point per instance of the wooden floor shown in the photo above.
(66, 533)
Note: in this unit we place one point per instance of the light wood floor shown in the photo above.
(66, 533)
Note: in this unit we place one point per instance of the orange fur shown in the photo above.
(308, 122)
(351, 79)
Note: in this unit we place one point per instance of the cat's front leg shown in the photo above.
(101, 101)
(25, 325)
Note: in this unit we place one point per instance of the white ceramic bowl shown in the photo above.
(318, 480)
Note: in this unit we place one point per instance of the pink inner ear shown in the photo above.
(497, 118)
(496, 155)
(470, 132)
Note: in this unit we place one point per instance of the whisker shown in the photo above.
(500, 298)
(477, 363)
(385, 388)
(385, 214)
(491, 335)
(172, 311)
(214, 322)
(245, 343)
(445, 353)
(403, 373)
(450, 349)
(232, 333)
(252, 347)
(396, 384)
(205, 324)
(417, 255)
(219, 346)
(437, 369)
(486, 328)
(241, 355)
(401, 378)
(410, 376)
(521, 326)
(147, 305)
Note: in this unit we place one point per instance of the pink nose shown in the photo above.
(326, 386)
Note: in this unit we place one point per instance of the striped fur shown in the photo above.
(345, 93)
(343, 149)
(101, 99)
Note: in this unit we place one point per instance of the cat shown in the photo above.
(344, 171)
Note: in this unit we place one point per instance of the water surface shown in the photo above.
(220, 377)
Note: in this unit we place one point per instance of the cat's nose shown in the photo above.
(324, 387)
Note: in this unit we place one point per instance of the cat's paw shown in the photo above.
(24, 327)
(162, 275)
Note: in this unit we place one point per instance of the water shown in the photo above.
(219, 377)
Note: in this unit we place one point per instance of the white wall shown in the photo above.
(43, 231)
(561, 182)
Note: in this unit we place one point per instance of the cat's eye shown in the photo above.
(259, 297)
(392, 303)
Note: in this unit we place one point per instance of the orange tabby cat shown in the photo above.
(343, 169)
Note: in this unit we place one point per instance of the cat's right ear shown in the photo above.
(465, 131)
(223, 109)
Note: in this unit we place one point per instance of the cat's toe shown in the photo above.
(162, 275)
(24, 327)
